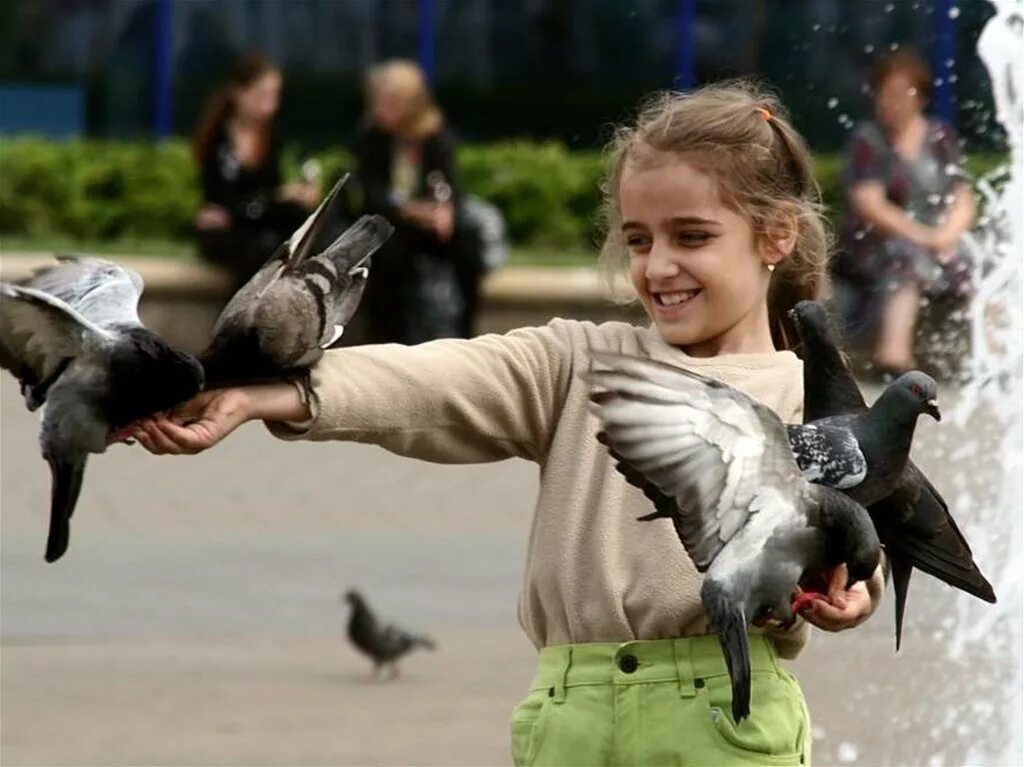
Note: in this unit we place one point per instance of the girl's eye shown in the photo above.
(693, 238)
(636, 242)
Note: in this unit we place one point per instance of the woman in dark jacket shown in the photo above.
(247, 212)
(420, 288)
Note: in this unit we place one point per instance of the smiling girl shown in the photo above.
(712, 201)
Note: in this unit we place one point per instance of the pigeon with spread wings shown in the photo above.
(73, 338)
(298, 303)
(743, 511)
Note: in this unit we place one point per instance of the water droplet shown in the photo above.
(954, 12)
(816, 27)
(843, 117)
(952, 78)
(894, 46)
(832, 102)
(869, 48)
(939, 81)
(847, 752)
(890, 8)
(950, 63)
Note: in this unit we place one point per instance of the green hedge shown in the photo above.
(95, 190)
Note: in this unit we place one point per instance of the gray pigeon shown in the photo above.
(912, 520)
(866, 453)
(298, 303)
(72, 336)
(384, 643)
(719, 465)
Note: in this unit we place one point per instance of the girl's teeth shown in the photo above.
(672, 299)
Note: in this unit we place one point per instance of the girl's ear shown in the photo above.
(779, 238)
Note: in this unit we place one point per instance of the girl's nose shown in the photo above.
(661, 264)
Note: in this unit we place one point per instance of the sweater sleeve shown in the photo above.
(448, 401)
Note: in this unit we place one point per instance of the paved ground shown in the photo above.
(195, 619)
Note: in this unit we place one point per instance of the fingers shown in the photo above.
(161, 436)
(844, 610)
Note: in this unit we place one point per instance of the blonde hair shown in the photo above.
(739, 134)
(405, 79)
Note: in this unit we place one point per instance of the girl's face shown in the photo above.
(258, 102)
(694, 263)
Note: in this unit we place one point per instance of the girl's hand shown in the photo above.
(844, 608)
(197, 425)
(212, 415)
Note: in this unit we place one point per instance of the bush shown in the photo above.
(104, 190)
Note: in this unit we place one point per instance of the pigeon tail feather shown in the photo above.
(728, 621)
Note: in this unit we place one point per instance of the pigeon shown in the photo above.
(385, 643)
(297, 305)
(912, 520)
(73, 338)
(865, 454)
(719, 465)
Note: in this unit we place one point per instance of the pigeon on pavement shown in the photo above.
(913, 520)
(298, 303)
(72, 336)
(719, 464)
(384, 643)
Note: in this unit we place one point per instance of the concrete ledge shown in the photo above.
(173, 277)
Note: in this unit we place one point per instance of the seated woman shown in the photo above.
(247, 213)
(908, 201)
(405, 165)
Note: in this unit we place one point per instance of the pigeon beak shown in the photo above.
(932, 409)
(309, 232)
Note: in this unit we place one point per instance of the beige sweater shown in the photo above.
(593, 573)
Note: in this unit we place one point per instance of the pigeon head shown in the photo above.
(811, 321)
(148, 376)
(353, 597)
(918, 392)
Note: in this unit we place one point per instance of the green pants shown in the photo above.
(664, 702)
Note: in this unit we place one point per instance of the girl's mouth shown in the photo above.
(676, 298)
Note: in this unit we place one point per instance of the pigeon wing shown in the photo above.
(105, 293)
(710, 447)
(828, 455)
(38, 332)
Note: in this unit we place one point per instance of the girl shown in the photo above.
(246, 210)
(712, 200)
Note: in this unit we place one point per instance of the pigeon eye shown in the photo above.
(916, 390)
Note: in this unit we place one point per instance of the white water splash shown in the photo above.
(995, 392)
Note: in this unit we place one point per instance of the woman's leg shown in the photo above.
(895, 346)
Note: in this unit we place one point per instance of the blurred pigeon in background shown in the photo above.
(297, 304)
(72, 336)
(384, 643)
(722, 469)
(912, 519)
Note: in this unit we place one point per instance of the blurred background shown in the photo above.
(196, 619)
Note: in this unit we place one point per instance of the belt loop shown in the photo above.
(684, 667)
(558, 691)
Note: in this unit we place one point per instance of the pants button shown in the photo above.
(628, 664)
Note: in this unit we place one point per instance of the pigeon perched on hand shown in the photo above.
(384, 643)
(72, 336)
(298, 303)
(719, 464)
(911, 517)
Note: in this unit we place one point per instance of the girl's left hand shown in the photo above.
(844, 608)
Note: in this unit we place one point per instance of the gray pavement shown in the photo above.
(195, 617)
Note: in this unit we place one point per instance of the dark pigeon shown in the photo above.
(719, 465)
(384, 643)
(866, 453)
(73, 338)
(298, 303)
(913, 520)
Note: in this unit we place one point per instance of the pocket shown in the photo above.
(776, 730)
(527, 719)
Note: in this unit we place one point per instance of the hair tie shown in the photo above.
(765, 114)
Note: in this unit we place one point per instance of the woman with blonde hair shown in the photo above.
(405, 157)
